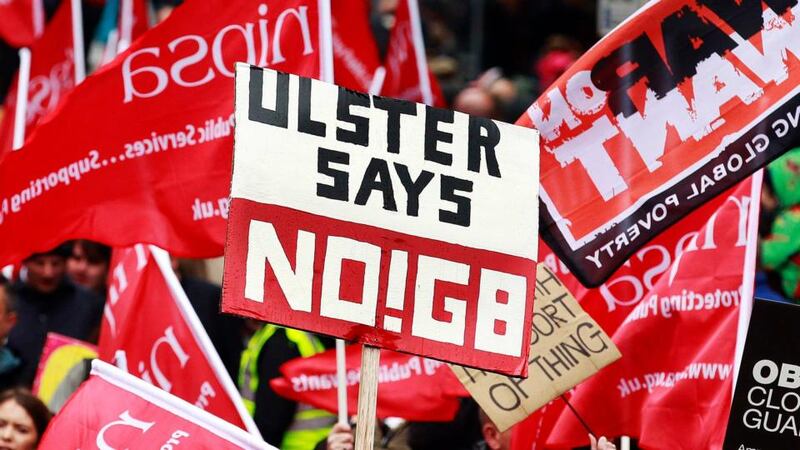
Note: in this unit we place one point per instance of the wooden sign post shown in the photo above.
(367, 397)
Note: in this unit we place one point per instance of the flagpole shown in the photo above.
(419, 52)
(378, 78)
(21, 108)
(125, 24)
(341, 381)
(79, 59)
(625, 443)
(38, 17)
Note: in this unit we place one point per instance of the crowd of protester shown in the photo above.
(521, 47)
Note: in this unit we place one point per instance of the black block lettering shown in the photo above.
(394, 109)
(434, 116)
(348, 98)
(463, 211)
(340, 188)
(413, 187)
(478, 141)
(278, 117)
(377, 178)
(305, 124)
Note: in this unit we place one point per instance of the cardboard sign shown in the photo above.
(567, 346)
(765, 413)
(382, 221)
(674, 107)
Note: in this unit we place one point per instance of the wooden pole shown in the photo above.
(341, 381)
(367, 398)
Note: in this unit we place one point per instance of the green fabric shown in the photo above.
(785, 175)
(780, 250)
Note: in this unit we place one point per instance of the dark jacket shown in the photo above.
(70, 310)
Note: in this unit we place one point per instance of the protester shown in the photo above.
(386, 438)
(87, 265)
(23, 420)
(10, 364)
(50, 302)
(282, 422)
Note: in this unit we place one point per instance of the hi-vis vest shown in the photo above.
(310, 425)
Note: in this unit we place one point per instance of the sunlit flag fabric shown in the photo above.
(52, 75)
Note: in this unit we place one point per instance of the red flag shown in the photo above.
(672, 387)
(407, 74)
(21, 21)
(707, 251)
(150, 329)
(355, 54)
(409, 386)
(52, 76)
(158, 169)
(113, 410)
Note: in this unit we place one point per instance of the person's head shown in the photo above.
(88, 263)
(23, 419)
(45, 271)
(495, 439)
(8, 308)
(475, 101)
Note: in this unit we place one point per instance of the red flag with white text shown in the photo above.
(114, 410)
(144, 145)
(52, 76)
(150, 329)
(673, 310)
(409, 386)
(407, 73)
(21, 21)
(355, 53)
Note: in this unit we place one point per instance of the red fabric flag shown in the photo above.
(114, 410)
(673, 311)
(21, 21)
(141, 150)
(409, 386)
(355, 54)
(407, 74)
(52, 76)
(150, 329)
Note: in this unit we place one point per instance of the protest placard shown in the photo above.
(675, 106)
(567, 346)
(764, 412)
(382, 221)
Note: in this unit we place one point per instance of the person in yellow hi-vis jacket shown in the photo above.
(283, 423)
